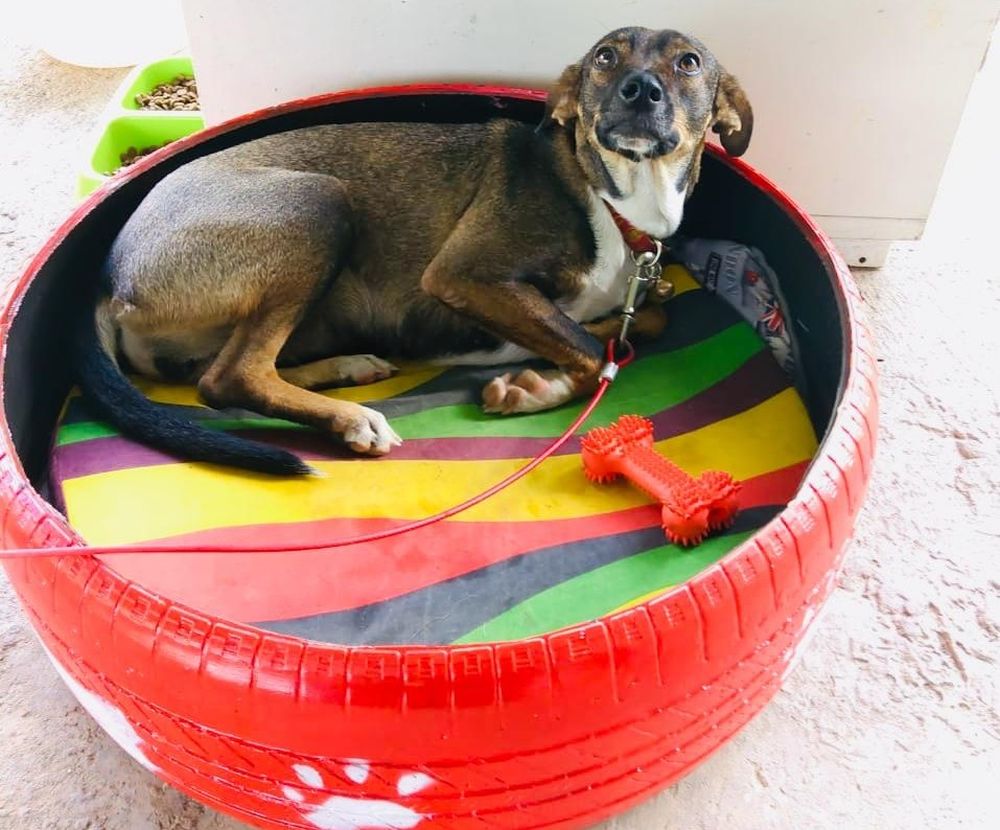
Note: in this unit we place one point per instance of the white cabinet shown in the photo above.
(856, 102)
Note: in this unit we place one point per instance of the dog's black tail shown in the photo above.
(116, 400)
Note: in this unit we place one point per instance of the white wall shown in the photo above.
(857, 102)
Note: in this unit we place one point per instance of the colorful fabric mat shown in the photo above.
(551, 551)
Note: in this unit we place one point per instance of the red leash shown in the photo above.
(608, 373)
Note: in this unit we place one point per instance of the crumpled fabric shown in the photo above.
(740, 275)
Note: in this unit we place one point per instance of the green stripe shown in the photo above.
(602, 590)
(649, 385)
(85, 430)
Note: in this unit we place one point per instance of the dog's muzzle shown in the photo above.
(638, 118)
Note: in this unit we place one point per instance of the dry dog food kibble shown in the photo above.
(133, 154)
(179, 94)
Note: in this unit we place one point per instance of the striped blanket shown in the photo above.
(552, 551)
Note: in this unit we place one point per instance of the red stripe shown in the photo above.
(248, 587)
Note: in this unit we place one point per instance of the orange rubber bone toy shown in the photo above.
(691, 507)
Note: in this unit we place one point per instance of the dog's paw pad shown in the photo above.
(533, 383)
(494, 394)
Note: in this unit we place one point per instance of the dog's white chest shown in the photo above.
(604, 286)
(654, 204)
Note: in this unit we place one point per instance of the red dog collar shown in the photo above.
(639, 241)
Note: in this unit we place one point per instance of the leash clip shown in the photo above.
(647, 272)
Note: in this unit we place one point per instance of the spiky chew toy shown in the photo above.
(691, 507)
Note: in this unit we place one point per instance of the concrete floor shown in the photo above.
(890, 721)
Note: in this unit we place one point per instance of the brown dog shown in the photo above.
(269, 269)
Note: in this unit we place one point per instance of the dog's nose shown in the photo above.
(641, 88)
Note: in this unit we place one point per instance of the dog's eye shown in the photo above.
(689, 64)
(605, 57)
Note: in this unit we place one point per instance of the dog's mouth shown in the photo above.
(637, 141)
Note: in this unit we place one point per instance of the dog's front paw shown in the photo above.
(530, 391)
(369, 433)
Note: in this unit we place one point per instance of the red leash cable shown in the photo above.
(607, 377)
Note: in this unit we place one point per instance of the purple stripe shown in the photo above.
(754, 382)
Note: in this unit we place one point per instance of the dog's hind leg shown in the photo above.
(343, 370)
(244, 375)
(292, 233)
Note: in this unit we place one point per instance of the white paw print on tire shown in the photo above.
(346, 813)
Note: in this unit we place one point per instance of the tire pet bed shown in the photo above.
(542, 661)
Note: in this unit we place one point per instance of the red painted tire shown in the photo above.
(556, 732)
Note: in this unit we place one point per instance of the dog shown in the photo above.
(283, 265)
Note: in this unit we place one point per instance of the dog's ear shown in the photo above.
(561, 106)
(733, 117)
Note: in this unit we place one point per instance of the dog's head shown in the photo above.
(643, 94)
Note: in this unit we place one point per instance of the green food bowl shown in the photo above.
(140, 132)
(125, 125)
(133, 131)
(152, 75)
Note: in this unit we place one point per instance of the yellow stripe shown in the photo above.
(681, 278)
(632, 603)
(172, 499)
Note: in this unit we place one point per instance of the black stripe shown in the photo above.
(445, 611)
